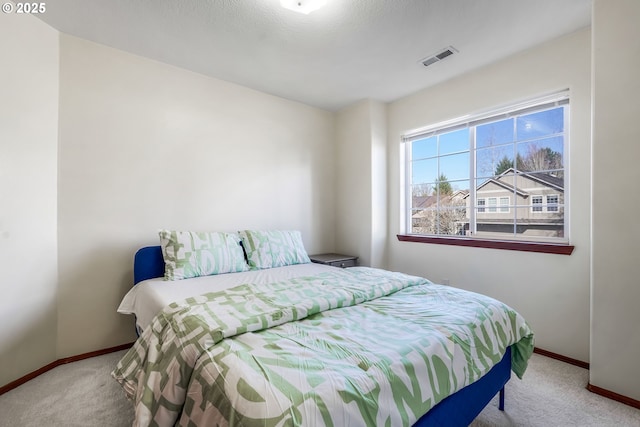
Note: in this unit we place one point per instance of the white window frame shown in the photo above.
(470, 121)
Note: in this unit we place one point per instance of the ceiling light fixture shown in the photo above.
(303, 6)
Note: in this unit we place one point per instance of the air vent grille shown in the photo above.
(430, 60)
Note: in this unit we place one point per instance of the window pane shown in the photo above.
(423, 171)
(455, 166)
(481, 205)
(422, 190)
(460, 188)
(454, 142)
(493, 160)
(495, 226)
(540, 225)
(423, 148)
(424, 221)
(438, 221)
(421, 201)
(536, 203)
(541, 155)
(504, 204)
(492, 202)
(506, 181)
(539, 124)
(500, 186)
(495, 133)
(446, 214)
(451, 193)
(452, 221)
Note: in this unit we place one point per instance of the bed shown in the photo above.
(309, 344)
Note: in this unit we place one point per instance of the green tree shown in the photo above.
(503, 165)
(443, 186)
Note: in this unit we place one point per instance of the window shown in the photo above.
(504, 205)
(499, 175)
(493, 202)
(552, 203)
(481, 204)
(536, 203)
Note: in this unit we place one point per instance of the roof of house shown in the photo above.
(504, 185)
(544, 178)
(548, 179)
(423, 202)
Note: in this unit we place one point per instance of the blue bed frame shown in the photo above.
(459, 409)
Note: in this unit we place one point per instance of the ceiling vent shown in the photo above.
(444, 53)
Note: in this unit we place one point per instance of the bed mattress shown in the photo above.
(150, 296)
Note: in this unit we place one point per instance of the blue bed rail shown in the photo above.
(147, 264)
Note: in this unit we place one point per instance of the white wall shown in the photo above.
(28, 169)
(379, 184)
(144, 146)
(551, 291)
(615, 322)
(361, 182)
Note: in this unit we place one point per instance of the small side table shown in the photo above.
(335, 260)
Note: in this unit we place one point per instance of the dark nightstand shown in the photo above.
(336, 260)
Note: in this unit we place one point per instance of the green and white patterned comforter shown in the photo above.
(350, 347)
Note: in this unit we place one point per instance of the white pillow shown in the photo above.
(268, 249)
(192, 254)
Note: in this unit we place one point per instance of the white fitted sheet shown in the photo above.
(148, 297)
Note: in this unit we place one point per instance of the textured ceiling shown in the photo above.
(347, 51)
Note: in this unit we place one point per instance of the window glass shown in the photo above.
(495, 133)
(543, 123)
(455, 166)
(424, 171)
(504, 204)
(496, 177)
(492, 203)
(536, 202)
(493, 161)
(454, 142)
(541, 155)
(424, 148)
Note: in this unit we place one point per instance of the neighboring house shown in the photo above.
(534, 203)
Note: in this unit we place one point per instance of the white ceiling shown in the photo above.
(347, 51)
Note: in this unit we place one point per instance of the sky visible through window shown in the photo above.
(448, 153)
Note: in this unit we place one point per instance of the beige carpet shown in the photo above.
(83, 394)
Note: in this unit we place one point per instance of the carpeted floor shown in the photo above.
(83, 394)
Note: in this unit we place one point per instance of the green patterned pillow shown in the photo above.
(192, 254)
(267, 249)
